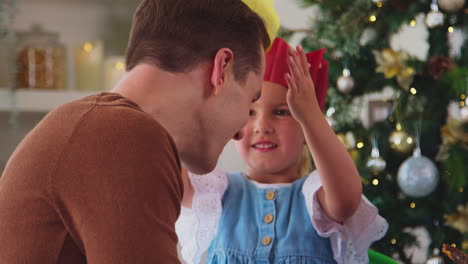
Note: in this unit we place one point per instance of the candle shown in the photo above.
(88, 66)
(114, 68)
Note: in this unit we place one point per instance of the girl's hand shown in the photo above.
(300, 97)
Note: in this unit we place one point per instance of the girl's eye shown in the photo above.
(251, 112)
(281, 112)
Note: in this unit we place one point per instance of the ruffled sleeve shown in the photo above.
(197, 227)
(351, 240)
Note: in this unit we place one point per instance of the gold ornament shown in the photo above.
(342, 138)
(401, 142)
(453, 132)
(450, 135)
(349, 142)
(451, 5)
(454, 254)
(354, 153)
(459, 220)
(392, 64)
(456, 129)
(347, 139)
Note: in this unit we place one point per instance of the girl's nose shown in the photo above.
(264, 126)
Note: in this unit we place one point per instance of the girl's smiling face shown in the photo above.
(273, 139)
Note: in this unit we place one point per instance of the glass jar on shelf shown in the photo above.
(40, 60)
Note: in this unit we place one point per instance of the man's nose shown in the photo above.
(239, 135)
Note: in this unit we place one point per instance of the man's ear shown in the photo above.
(222, 67)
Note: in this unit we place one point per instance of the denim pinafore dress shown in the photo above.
(266, 226)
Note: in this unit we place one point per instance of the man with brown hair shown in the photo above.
(99, 179)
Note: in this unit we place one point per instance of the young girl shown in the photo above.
(272, 213)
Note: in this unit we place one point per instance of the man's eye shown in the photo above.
(256, 97)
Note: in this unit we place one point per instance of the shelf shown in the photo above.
(126, 2)
(37, 101)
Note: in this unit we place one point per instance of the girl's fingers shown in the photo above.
(291, 83)
(296, 58)
(295, 73)
(303, 59)
(294, 64)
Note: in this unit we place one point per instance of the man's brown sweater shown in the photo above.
(97, 181)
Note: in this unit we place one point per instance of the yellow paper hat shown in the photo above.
(266, 10)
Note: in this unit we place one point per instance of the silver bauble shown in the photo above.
(418, 176)
(464, 113)
(345, 82)
(434, 19)
(435, 258)
(451, 5)
(368, 36)
(331, 121)
(337, 55)
(329, 116)
(376, 164)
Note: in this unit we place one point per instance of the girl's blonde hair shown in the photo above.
(306, 164)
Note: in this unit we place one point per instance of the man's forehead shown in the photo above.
(263, 60)
(262, 65)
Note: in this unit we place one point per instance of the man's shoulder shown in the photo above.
(112, 117)
(118, 113)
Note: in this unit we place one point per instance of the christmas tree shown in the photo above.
(403, 118)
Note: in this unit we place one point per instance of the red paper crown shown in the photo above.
(277, 67)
